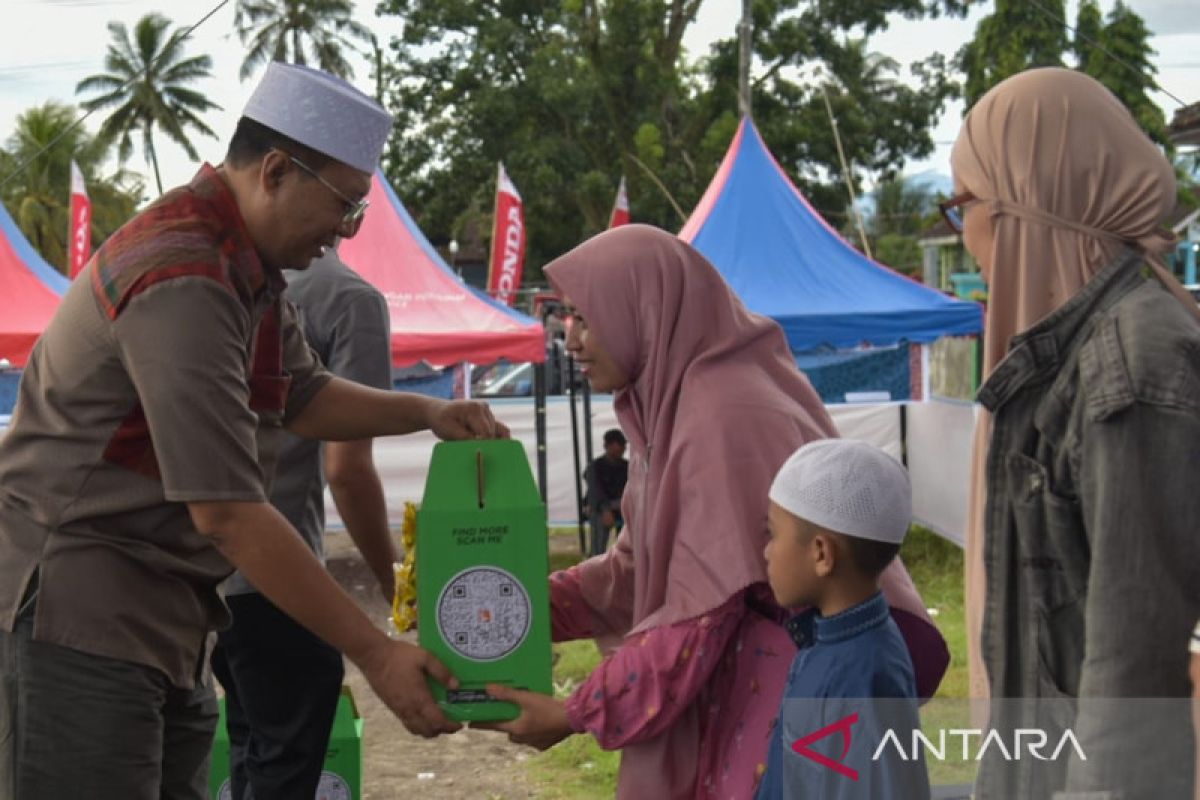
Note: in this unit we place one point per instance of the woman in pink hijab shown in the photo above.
(713, 404)
(1091, 452)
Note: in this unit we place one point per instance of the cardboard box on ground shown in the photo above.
(342, 776)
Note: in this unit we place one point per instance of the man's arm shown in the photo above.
(343, 410)
(258, 540)
(358, 494)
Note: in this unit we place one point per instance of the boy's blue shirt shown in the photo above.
(845, 660)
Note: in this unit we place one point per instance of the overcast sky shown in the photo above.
(47, 46)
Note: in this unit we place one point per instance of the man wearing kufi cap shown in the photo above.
(135, 474)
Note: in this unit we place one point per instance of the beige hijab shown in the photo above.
(1069, 180)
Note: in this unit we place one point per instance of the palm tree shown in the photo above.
(38, 196)
(902, 207)
(277, 30)
(146, 81)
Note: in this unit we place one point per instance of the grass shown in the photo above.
(936, 566)
(577, 769)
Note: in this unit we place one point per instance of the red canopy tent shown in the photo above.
(30, 290)
(435, 317)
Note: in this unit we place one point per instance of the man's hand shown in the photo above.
(607, 518)
(465, 419)
(396, 672)
(542, 723)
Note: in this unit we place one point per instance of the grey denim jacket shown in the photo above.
(1092, 545)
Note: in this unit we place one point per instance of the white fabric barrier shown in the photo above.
(403, 460)
(940, 436)
(878, 424)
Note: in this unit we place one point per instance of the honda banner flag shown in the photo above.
(508, 241)
(79, 243)
(620, 212)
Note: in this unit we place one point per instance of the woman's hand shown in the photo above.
(541, 724)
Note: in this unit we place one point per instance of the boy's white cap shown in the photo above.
(323, 112)
(847, 487)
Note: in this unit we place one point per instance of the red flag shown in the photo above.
(79, 245)
(620, 212)
(508, 241)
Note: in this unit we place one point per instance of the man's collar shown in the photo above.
(210, 185)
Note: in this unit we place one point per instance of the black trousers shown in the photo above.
(600, 533)
(75, 725)
(281, 690)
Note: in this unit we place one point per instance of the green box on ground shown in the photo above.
(483, 597)
(341, 778)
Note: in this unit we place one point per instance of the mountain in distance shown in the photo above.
(938, 183)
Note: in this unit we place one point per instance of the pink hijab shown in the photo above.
(715, 404)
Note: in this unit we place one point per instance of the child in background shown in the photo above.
(606, 477)
(838, 514)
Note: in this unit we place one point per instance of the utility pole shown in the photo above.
(744, 59)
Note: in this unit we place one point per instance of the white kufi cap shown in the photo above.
(847, 487)
(322, 112)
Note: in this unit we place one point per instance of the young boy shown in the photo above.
(838, 514)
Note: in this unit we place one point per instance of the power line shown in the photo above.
(25, 164)
(1153, 83)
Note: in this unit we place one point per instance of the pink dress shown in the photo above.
(727, 668)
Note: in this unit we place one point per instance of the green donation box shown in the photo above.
(341, 778)
(483, 601)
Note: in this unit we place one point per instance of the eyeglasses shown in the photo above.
(952, 209)
(352, 219)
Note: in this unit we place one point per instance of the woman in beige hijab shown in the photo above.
(1090, 453)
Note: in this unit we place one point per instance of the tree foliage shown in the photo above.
(38, 196)
(312, 32)
(1018, 35)
(902, 207)
(571, 94)
(1089, 27)
(902, 210)
(148, 84)
(1116, 51)
(1119, 56)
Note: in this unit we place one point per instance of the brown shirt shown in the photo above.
(164, 378)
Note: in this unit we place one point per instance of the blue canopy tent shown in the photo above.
(784, 261)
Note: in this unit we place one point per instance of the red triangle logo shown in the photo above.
(842, 726)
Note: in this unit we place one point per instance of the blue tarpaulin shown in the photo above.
(783, 260)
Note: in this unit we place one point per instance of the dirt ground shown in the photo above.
(479, 765)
